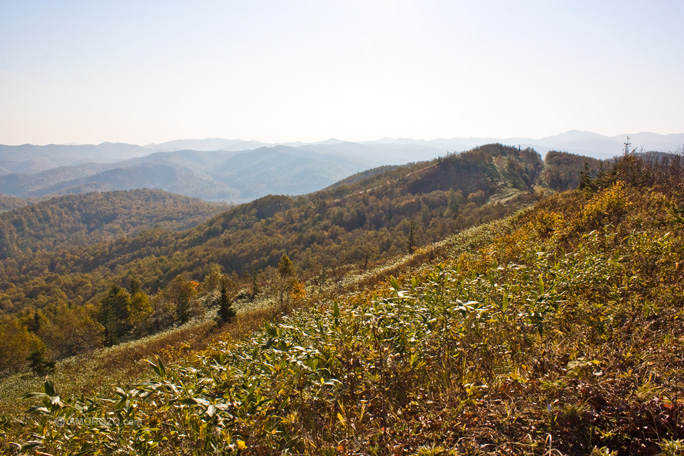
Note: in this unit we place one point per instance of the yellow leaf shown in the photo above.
(241, 445)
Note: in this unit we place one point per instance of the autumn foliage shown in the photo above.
(556, 330)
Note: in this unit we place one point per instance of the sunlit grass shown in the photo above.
(554, 331)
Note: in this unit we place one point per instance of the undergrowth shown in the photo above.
(557, 331)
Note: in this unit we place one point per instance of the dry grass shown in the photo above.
(97, 373)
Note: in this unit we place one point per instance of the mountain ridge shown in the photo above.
(225, 174)
(438, 196)
(554, 326)
(80, 220)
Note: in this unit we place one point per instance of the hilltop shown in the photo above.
(240, 171)
(552, 331)
(219, 175)
(80, 220)
(357, 224)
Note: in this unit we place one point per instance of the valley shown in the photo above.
(466, 302)
(347, 228)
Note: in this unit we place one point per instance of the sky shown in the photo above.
(307, 70)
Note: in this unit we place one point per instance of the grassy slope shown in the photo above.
(347, 224)
(96, 373)
(556, 329)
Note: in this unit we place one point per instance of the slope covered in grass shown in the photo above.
(356, 223)
(56, 279)
(555, 331)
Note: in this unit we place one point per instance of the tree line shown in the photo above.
(100, 294)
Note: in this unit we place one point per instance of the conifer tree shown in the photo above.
(39, 365)
(115, 307)
(585, 177)
(255, 284)
(226, 313)
(412, 238)
(34, 324)
(134, 286)
(181, 292)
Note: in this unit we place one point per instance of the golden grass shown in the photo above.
(97, 373)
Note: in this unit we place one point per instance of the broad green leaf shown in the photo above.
(158, 367)
(31, 445)
(49, 388)
(34, 394)
(38, 409)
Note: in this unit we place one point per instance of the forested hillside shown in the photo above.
(30, 159)
(372, 219)
(554, 331)
(80, 220)
(60, 300)
(562, 170)
(7, 203)
(32, 184)
(211, 175)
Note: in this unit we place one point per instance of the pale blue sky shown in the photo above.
(275, 71)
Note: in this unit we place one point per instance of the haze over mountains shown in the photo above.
(240, 171)
(573, 141)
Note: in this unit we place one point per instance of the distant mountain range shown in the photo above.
(30, 159)
(240, 171)
(218, 175)
(574, 141)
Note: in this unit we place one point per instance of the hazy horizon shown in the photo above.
(150, 72)
(386, 139)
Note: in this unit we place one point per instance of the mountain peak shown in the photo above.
(331, 141)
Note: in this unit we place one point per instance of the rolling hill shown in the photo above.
(213, 176)
(173, 179)
(574, 141)
(80, 220)
(386, 214)
(7, 203)
(556, 330)
(25, 185)
(358, 223)
(30, 159)
(241, 171)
